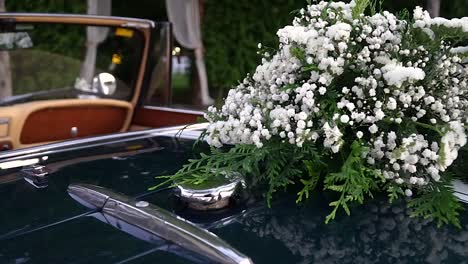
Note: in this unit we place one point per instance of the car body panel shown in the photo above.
(156, 117)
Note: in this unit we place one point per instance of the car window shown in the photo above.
(57, 61)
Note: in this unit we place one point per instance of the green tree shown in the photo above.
(5, 69)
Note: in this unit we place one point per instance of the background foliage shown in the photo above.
(36, 69)
(232, 30)
(64, 43)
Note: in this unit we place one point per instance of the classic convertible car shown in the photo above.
(78, 162)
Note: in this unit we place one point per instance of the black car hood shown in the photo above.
(48, 226)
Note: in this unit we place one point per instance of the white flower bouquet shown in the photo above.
(351, 102)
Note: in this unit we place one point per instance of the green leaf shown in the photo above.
(437, 202)
(314, 168)
(298, 52)
(324, 13)
(310, 67)
(288, 87)
(360, 7)
(394, 192)
(354, 182)
(346, 208)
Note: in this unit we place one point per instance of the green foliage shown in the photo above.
(354, 182)
(279, 165)
(64, 40)
(276, 164)
(437, 202)
(33, 71)
(360, 7)
(394, 192)
(374, 4)
(288, 87)
(285, 165)
(57, 48)
(199, 171)
(215, 180)
(298, 52)
(310, 67)
(181, 87)
(315, 168)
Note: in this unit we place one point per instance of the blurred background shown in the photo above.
(230, 32)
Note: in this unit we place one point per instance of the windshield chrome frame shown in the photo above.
(144, 26)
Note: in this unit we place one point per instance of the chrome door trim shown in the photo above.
(174, 110)
(187, 132)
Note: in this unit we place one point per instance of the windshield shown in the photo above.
(58, 61)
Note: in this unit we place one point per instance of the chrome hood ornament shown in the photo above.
(153, 224)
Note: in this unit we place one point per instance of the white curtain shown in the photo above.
(94, 36)
(185, 17)
(6, 85)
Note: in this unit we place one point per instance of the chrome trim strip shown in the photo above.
(175, 110)
(187, 131)
(142, 22)
(135, 25)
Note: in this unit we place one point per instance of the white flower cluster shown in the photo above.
(336, 79)
(423, 20)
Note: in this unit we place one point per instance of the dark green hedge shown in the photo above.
(231, 32)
